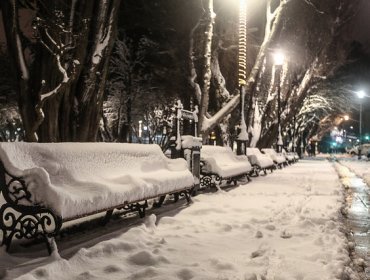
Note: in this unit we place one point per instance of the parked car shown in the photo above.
(365, 149)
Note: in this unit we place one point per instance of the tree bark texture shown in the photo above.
(61, 88)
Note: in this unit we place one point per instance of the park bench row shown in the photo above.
(221, 164)
(45, 185)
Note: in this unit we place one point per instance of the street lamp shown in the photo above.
(278, 62)
(242, 137)
(361, 94)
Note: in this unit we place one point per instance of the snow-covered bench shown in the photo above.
(289, 156)
(221, 163)
(259, 161)
(48, 184)
(278, 158)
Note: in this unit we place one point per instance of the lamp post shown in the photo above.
(279, 61)
(293, 144)
(242, 137)
(360, 94)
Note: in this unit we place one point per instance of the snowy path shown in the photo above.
(282, 226)
(357, 210)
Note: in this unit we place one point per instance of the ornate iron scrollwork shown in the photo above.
(205, 181)
(133, 207)
(21, 218)
(217, 180)
(186, 194)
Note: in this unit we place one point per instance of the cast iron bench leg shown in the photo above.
(159, 203)
(107, 217)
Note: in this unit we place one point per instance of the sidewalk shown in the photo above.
(285, 225)
(354, 175)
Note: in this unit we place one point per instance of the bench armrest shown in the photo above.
(20, 217)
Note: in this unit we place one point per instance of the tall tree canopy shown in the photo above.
(168, 49)
(61, 68)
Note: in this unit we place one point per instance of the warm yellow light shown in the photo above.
(242, 56)
(346, 117)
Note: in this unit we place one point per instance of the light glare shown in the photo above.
(361, 94)
(279, 58)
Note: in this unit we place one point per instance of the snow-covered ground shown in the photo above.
(285, 225)
(360, 167)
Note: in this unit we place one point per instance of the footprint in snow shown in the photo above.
(250, 276)
(259, 234)
(112, 269)
(285, 234)
(146, 273)
(258, 253)
(270, 227)
(221, 265)
(147, 258)
(185, 274)
(86, 276)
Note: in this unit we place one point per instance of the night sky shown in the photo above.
(360, 31)
(362, 24)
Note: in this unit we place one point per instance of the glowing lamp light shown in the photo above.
(346, 117)
(361, 94)
(279, 58)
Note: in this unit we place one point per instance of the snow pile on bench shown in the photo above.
(277, 158)
(257, 158)
(223, 162)
(289, 156)
(78, 178)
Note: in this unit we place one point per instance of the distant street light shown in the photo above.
(360, 94)
(278, 62)
(346, 117)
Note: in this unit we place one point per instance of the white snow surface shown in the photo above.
(223, 161)
(282, 226)
(289, 156)
(78, 178)
(278, 158)
(257, 158)
(360, 167)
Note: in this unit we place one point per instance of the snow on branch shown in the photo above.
(103, 37)
(313, 5)
(58, 41)
(210, 122)
(193, 72)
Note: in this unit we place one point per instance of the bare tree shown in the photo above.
(313, 32)
(61, 84)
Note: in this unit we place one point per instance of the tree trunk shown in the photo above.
(206, 77)
(61, 98)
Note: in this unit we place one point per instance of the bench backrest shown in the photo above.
(269, 151)
(219, 153)
(224, 162)
(82, 158)
(254, 151)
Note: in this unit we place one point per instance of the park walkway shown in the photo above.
(286, 225)
(355, 177)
